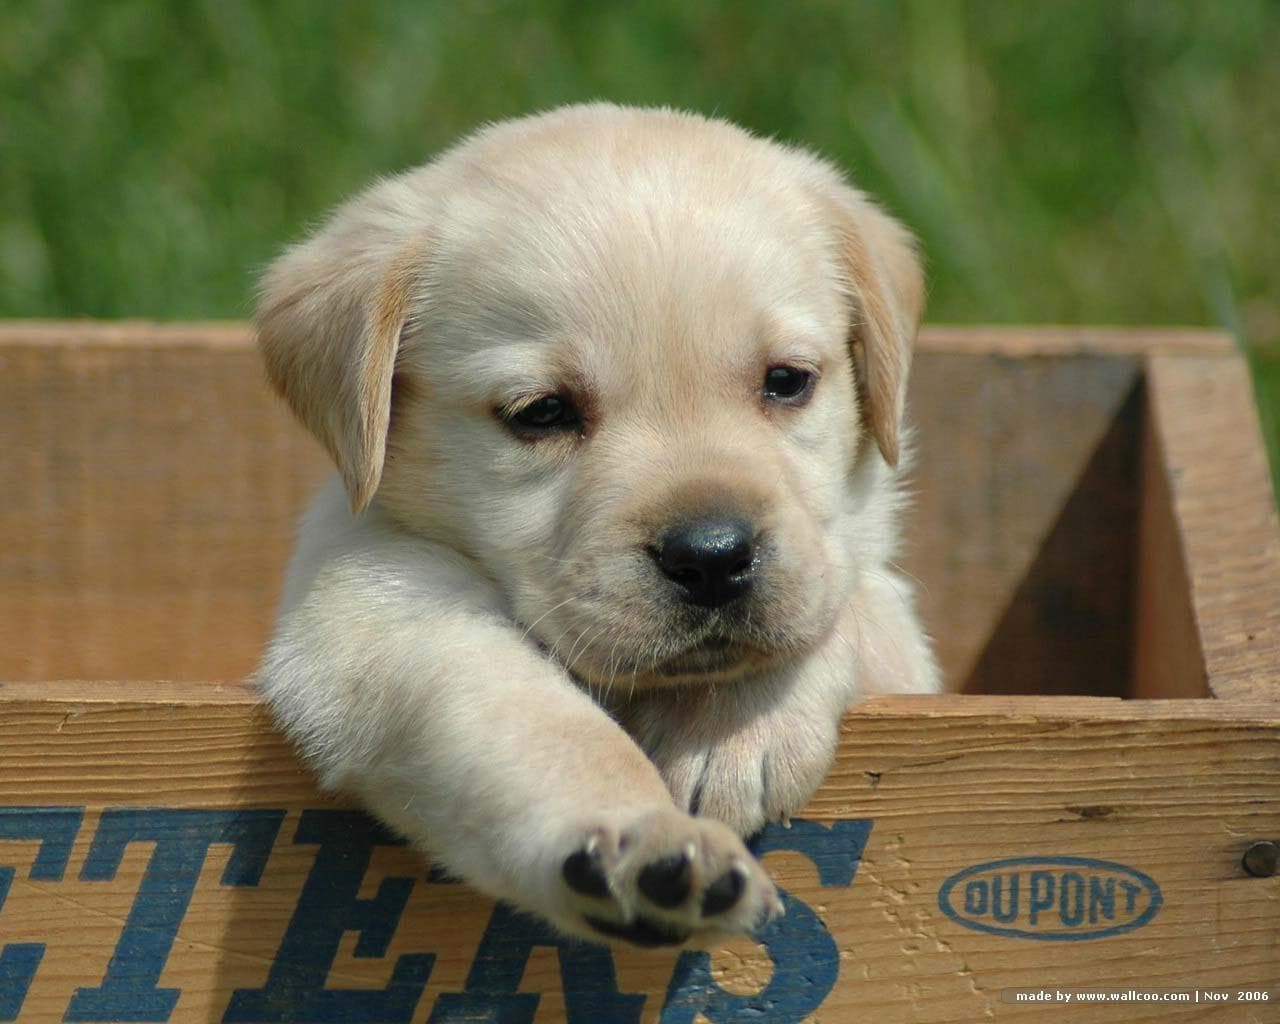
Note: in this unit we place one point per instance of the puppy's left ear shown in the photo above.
(881, 260)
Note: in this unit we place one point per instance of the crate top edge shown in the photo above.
(1037, 340)
(1019, 340)
(232, 335)
(140, 695)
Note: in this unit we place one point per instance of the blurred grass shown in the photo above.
(1107, 161)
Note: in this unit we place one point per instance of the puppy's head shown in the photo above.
(645, 370)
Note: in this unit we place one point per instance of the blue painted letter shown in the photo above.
(591, 993)
(182, 839)
(329, 906)
(806, 959)
(56, 829)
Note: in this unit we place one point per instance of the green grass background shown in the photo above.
(1101, 161)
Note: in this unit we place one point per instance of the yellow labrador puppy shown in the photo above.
(616, 398)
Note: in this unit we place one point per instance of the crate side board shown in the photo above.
(169, 564)
(196, 820)
(1216, 482)
(1168, 659)
(153, 498)
(1019, 479)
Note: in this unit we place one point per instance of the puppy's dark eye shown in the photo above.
(788, 384)
(544, 416)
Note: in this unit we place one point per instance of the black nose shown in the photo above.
(709, 559)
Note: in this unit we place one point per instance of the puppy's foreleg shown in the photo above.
(397, 672)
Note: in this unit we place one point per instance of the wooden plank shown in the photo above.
(226, 335)
(157, 485)
(1205, 424)
(1068, 622)
(988, 339)
(1003, 445)
(1167, 659)
(151, 499)
(118, 564)
(1172, 790)
(70, 696)
(1062, 340)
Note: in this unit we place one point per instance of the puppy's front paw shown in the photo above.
(665, 879)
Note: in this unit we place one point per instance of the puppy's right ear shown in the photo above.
(330, 316)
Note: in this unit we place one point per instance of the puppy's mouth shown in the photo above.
(710, 655)
(709, 652)
(714, 656)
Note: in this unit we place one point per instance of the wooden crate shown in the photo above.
(1094, 521)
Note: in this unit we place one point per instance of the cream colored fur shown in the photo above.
(473, 640)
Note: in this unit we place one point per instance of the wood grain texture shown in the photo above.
(1067, 626)
(1204, 420)
(223, 335)
(1002, 447)
(1061, 340)
(152, 486)
(1167, 657)
(1175, 790)
(151, 494)
(990, 339)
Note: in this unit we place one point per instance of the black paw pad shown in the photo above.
(583, 873)
(665, 882)
(723, 893)
(640, 932)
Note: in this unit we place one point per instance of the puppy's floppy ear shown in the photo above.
(887, 284)
(329, 321)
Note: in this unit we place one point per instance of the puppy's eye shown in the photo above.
(546, 415)
(788, 384)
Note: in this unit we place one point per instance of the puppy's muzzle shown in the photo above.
(710, 560)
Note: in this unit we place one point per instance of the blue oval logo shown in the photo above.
(1052, 899)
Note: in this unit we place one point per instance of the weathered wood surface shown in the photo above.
(1167, 659)
(152, 491)
(1023, 341)
(1021, 531)
(153, 487)
(1011, 340)
(1204, 422)
(1175, 790)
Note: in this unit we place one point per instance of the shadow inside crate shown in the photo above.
(1035, 492)
(1068, 627)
